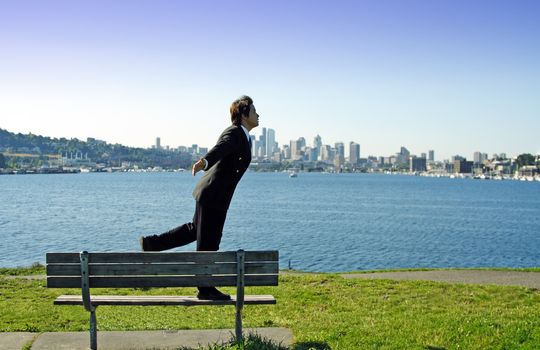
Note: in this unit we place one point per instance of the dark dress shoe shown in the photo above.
(145, 245)
(141, 242)
(211, 293)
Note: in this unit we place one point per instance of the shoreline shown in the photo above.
(524, 277)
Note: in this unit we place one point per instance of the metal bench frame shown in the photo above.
(63, 272)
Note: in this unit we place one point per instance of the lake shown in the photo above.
(318, 222)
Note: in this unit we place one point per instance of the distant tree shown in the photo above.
(525, 159)
(2, 161)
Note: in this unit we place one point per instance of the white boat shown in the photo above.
(293, 174)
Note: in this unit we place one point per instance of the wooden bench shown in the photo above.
(155, 269)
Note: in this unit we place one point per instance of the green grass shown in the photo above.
(252, 342)
(324, 311)
(517, 269)
(35, 269)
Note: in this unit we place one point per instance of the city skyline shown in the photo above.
(454, 76)
(477, 156)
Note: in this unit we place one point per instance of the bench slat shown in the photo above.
(148, 257)
(145, 300)
(161, 269)
(169, 281)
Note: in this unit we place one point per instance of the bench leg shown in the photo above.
(239, 325)
(93, 330)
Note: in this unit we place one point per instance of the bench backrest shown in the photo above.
(153, 269)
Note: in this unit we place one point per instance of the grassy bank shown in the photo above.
(324, 312)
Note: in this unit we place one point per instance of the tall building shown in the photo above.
(296, 148)
(270, 142)
(302, 142)
(403, 156)
(339, 158)
(158, 142)
(463, 166)
(340, 149)
(431, 156)
(327, 154)
(317, 144)
(354, 153)
(478, 157)
(286, 152)
(254, 145)
(262, 142)
(417, 164)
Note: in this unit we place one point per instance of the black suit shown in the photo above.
(227, 161)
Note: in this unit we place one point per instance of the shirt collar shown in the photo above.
(246, 132)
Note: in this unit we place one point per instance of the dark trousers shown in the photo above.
(206, 228)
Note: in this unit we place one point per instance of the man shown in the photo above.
(224, 166)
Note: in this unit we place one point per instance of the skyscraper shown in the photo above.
(270, 142)
(477, 157)
(254, 145)
(317, 144)
(296, 148)
(339, 159)
(340, 149)
(158, 143)
(431, 156)
(263, 142)
(354, 153)
(417, 164)
(403, 156)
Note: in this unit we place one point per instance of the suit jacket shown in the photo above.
(227, 161)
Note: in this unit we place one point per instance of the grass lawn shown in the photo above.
(324, 311)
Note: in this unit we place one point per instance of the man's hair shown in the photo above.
(240, 107)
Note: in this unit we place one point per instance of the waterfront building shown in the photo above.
(262, 141)
(286, 152)
(339, 161)
(354, 153)
(402, 158)
(456, 157)
(417, 164)
(479, 157)
(327, 154)
(158, 142)
(340, 149)
(462, 166)
(254, 144)
(311, 154)
(317, 144)
(270, 142)
(296, 148)
(431, 155)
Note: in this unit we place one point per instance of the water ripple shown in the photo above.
(319, 222)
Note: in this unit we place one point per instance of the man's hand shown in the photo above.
(198, 166)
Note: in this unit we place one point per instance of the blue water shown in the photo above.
(318, 222)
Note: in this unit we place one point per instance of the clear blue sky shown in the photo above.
(450, 75)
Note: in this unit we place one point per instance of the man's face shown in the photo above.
(252, 120)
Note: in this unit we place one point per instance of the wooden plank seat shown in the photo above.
(156, 269)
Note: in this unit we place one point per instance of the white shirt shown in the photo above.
(247, 133)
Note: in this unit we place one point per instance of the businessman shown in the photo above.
(224, 166)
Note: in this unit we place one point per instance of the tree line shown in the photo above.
(97, 151)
